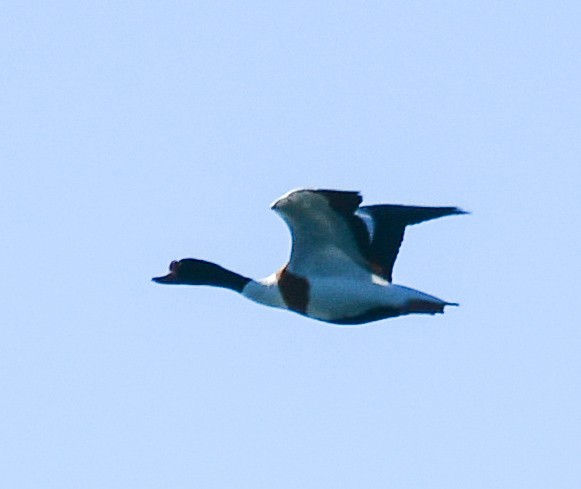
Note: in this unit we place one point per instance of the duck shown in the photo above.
(340, 269)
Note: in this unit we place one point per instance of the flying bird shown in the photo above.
(341, 262)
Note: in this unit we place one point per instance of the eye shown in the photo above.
(173, 266)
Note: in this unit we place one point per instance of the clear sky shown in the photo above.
(134, 133)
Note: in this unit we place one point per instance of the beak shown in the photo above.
(170, 278)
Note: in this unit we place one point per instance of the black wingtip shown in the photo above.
(447, 211)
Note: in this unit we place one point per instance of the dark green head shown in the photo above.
(190, 271)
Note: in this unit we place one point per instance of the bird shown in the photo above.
(341, 263)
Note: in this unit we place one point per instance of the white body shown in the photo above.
(335, 298)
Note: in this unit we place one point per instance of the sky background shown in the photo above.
(135, 133)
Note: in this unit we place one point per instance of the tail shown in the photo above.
(423, 306)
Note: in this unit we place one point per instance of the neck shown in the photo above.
(227, 279)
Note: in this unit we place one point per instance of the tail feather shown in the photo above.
(423, 306)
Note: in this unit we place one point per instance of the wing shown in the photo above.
(386, 226)
(327, 236)
(332, 235)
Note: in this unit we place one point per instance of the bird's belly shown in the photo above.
(332, 299)
(341, 301)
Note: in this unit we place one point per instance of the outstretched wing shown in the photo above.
(332, 235)
(327, 237)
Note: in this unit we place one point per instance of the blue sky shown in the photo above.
(134, 133)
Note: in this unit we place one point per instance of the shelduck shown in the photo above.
(341, 263)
